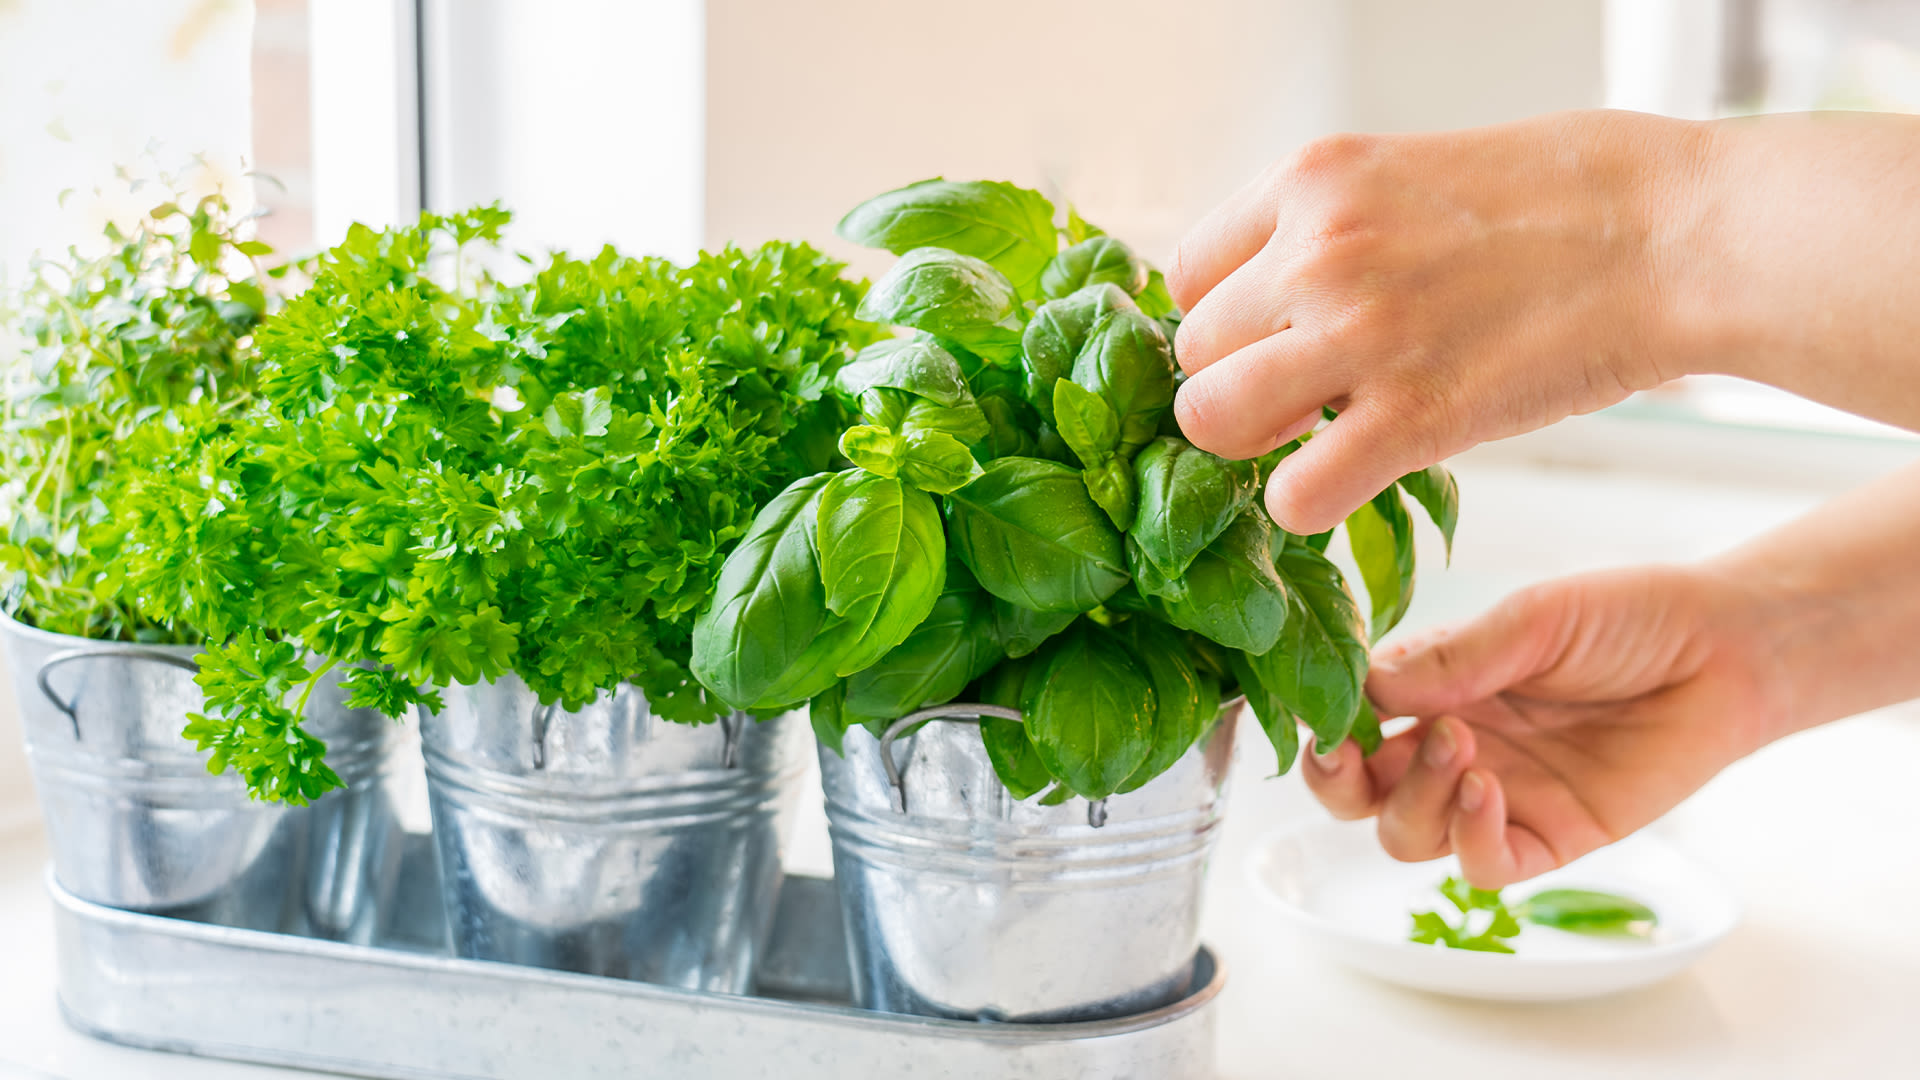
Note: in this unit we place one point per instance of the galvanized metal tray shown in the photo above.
(407, 1008)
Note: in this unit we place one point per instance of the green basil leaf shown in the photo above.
(951, 296)
(1089, 711)
(916, 365)
(882, 558)
(1230, 593)
(1010, 227)
(1127, 361)
(1012, 754)
(828, 714)
(1186, 700)
(953, 646)
(1097, 260)
(873, 449)
(1033, 536)
(1021, 630)
(1155, 301)
(1079, 228)
(1113, 487)
(1381, 536)
(936, 462)
(1057, 332)
(768, 603)
(1008, 431)
(1439, 495)
(1366, 728)
(1282, 728)
(1188, 497)
(1087, 424)
(1583, 911)
(967, 423)
(1318, 668)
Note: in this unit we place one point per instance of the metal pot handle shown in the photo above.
(68, 656)
(966, 714)
(969, 714)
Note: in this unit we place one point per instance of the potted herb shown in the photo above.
(1023, 540)
(507, 502)
(118, 355)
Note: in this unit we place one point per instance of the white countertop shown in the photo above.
(1818, 835)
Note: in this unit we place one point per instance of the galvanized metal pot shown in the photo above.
(607, 840)
(135, 821)
(963, 902)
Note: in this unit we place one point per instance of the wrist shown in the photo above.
(1689, 226)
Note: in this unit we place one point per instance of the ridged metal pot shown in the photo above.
(962, 902)
(135, 821)
(607, 840)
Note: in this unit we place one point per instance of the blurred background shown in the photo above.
(669, 125)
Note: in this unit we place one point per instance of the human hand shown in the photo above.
(1571, 715)
(1439, 290)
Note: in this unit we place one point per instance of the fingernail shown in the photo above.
(1328, 762)
(1441, 744)
(1473, 792)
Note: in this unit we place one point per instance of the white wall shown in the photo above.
(1144, 114)
(87, 85)
(584, 117)
(1421, 65)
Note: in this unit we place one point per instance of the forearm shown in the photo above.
(1839, 596)
(1792, 257)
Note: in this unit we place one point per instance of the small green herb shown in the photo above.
(1578, 911)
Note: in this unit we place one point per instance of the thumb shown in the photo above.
(1453, 668)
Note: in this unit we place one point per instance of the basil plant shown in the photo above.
(1017, 521)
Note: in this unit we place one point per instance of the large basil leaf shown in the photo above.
(1381, 536)
(1188, 497)
(1021, 630)
(883, 561)
(1095, 261)
(1318, 668)
(1230, 593)
(768, 604)
(1435, 490)
(1090, 711)
(1033, 536)
(1127, 361)
(1010, 227)
(1057, 332)
(951, 648)
(1282, 728)
(951, 296)
(917, 365)
(1014, 759)
(1186, 701)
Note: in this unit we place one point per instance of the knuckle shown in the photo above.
(1331, 156)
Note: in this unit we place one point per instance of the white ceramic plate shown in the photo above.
(1351, 902)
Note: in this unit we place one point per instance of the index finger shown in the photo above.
(1229, 235)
